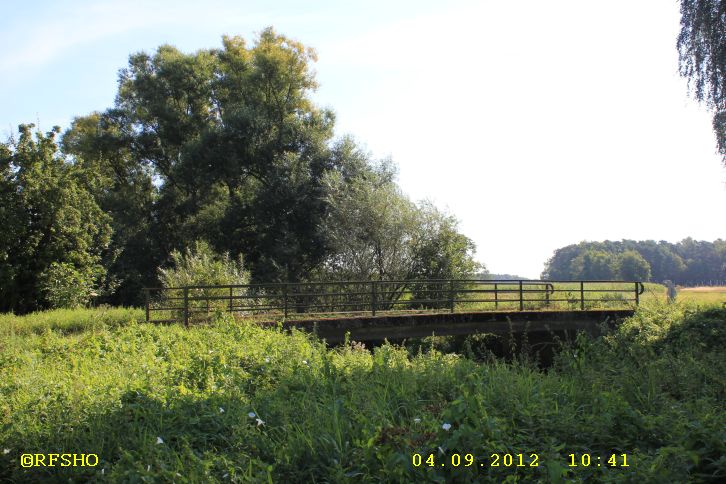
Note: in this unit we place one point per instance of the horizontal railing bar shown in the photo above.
(406, 282)
(498, 291)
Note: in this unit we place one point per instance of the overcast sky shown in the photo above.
(538, 124)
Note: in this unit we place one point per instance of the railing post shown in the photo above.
(284, 298)
(637, 294)
(146, 293)
(451, 295)
(582, 295)
(186, 306)
(547, 295)
(496, 296)
(373, 297)
(521, 297)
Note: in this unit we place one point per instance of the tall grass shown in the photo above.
(167, 403)
(68, 320)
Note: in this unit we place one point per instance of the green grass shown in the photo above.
(96, 381)
(703, 295)
(68, 320)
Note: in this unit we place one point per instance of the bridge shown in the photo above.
(374, 310)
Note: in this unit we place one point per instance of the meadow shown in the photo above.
(233, 402)
(705, 295)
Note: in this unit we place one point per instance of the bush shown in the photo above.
(64, 286)
(201, 266)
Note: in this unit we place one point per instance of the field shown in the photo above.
(705, 295)
(230, 402)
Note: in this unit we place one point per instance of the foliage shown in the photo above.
(440, 250)
(237, 146)
(593, 265)
(167, 403)
(201, 266)
(377, 233)
(631, 266)
(123, 188)
(50, 217)
(686, 262)
(370, 227)
(63, 286)
(702, 54)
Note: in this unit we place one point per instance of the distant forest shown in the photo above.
(688, 262)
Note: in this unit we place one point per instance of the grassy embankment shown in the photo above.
(176, 404)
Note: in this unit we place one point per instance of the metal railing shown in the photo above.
(293, 300)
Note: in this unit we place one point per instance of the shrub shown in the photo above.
(65, 286)
(201, 266)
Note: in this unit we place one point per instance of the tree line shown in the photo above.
(686, 262)
(221, 152)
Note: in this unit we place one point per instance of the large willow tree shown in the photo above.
(702, 58)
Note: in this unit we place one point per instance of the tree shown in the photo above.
(631, 266)
(123, 188)
(377, 233)
(704, 260)
(594, 265)
(235, 145)
(440, 251)
(559, 266)
(702, 58)
(55, 234)
(688, 261)
(370, 228)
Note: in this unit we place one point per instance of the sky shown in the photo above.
(537, 124)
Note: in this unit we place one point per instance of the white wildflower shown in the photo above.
(225, 475)
(148, 468)
(260, 422)
(159, 440)
(221, 410)
(103, 471)
(6, 451)
(267, 359)
(446, 426)
(305, 362)
(251, 415)
(417, 420)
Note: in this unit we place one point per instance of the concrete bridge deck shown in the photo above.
(403, 326)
